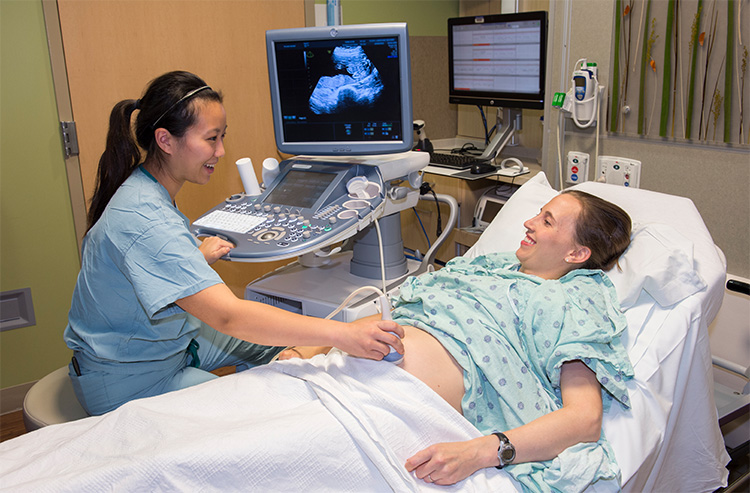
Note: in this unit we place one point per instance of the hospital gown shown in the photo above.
(511, 333)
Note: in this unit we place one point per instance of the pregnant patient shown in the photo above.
(527, 347)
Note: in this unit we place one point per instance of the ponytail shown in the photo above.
(164, 104)
(120, 158)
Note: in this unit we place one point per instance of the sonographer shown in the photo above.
(149, 315)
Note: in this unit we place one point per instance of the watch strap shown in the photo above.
(504, 442)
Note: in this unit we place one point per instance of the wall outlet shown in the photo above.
(576, 167)
(619, 171)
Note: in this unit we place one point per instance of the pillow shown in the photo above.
(505, 232)
(659, 259)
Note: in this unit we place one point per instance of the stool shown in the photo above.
(51, 401)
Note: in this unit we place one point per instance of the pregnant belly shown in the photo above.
(427, 359)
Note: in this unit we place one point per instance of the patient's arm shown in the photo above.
(579, 420)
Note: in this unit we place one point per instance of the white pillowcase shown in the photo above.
(505, 232)
(659, 259)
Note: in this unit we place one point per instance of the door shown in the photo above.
(114, 48)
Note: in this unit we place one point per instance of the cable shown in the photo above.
(560, 127)
(424, 189)
(350, 297)
(382, 256)
(484, 122)
(424, 231)
(381, 293)
(385, 306)
(598, 126)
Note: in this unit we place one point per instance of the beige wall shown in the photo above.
(716, 178)
(37, 240)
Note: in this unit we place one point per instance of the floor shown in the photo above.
(11, 426)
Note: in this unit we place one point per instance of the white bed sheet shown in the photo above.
(333, 423)
(289, 426)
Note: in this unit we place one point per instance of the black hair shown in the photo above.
(168, 102)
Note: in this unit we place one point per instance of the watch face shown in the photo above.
(507, 453)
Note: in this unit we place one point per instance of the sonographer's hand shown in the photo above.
(371, 337)
(213, 248)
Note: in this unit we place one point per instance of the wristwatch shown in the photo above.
(506, 452)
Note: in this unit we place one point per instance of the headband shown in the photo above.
(183, 98)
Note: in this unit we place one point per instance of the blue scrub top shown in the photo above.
(137, 260)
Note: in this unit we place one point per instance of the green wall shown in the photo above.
(37, 241)
(425, 17)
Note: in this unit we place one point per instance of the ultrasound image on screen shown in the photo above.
(359, 87)
(340, 90)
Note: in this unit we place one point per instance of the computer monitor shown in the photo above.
(498, 60)
(341, 90)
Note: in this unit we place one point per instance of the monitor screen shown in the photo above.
(498, 60)
(300, 188)
(341, 90)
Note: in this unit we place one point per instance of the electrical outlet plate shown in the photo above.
(619, 171)
(576, 167)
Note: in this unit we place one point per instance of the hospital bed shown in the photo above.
(337, 423)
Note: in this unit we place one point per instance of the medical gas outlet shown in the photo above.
(619, 171)
(577, 169)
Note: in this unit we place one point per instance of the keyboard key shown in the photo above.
(229, 221)
(454, 161)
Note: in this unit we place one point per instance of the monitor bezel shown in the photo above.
(530, 100)
(333, 148)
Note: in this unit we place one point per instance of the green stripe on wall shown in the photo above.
(424, 17)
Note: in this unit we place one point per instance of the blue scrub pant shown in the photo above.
(102, 387)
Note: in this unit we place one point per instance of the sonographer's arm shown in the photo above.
(307, 352)
(256, 322)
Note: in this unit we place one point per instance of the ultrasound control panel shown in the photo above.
(308, 206)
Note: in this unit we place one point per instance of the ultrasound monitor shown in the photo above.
(498, 60)
(341, 90)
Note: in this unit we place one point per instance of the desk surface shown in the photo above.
(527, 156)
(465, 174)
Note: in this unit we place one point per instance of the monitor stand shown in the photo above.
(505, 134)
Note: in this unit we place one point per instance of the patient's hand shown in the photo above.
(213, 248)
(304, 352)
(450, 462)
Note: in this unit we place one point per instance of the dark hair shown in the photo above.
(166, 101)
(603, 227)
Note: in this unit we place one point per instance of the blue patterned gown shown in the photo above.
(511, 332)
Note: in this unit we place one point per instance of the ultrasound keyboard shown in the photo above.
(453, 161)
(237, 220)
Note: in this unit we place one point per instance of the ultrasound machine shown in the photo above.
(341, 101)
